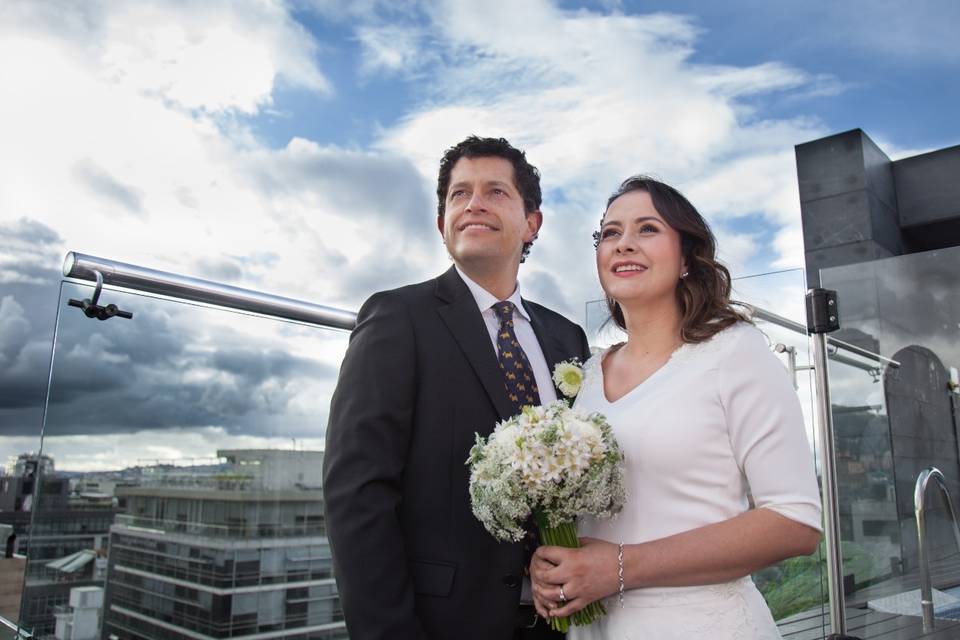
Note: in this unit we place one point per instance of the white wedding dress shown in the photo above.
(718, 421)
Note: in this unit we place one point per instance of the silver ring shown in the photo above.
(563, 598)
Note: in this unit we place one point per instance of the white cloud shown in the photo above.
(736, 81)
(750, 184)
(391, 48)
(594, 98)
(122, 135)
(214, 56)
(125, 136)
(14, 330)
(27, 251)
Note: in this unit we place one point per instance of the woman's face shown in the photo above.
(638, 257)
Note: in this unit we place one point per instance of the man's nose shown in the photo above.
(476, 202)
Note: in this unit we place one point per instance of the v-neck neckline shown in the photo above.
(655, 373)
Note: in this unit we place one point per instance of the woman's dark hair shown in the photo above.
(704, 294)
(526, 178)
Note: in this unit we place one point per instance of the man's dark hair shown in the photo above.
(526, 178)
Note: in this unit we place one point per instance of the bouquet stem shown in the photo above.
(565, 535)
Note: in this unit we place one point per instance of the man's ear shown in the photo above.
(440, 224)
(534, 222)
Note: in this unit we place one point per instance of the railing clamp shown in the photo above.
(823, 315)
(93, 310)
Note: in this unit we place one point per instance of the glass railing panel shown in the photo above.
(795, 590)
(893, 421)
(179, 482)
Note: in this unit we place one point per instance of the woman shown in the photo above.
(705, 415)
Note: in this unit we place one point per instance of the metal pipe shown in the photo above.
(828, 469)
(873, 370)
(773, 318)
(919, 507)
(119, 274)
(19, 631)
(865, 353)
(787, 323)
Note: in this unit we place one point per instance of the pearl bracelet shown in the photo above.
(620, 573)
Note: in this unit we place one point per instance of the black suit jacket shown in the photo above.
(419, 379)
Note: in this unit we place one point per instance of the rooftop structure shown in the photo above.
(61, 538)
(235, 549)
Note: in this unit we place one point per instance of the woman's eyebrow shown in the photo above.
(636, 220)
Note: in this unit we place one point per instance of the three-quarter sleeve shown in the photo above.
(766, 429)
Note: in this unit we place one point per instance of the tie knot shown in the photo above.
(504, 310)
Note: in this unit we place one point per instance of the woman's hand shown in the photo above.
(585, 575)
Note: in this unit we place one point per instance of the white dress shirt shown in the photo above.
(531, 347)
(521, 327)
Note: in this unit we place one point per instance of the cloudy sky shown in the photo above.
(291, 147)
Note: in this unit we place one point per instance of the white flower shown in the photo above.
(551, 460)
(568, 376)
(505, 434)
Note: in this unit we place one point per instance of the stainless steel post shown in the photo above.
(828, 471)
(823, 316)
(926, 585)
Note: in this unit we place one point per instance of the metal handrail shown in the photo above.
(19, 631)
(128, 276)
(920, 490)
(796, 327)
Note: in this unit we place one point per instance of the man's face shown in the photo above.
(484, 224)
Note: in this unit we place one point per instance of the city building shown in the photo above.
(232, 550)
(11, 578)
(61, 538)
(80, 619)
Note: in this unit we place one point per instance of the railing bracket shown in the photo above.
(93, 310)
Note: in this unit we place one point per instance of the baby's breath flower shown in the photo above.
(553, 460)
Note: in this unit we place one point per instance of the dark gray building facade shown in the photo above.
(885, 234)
(859, 205)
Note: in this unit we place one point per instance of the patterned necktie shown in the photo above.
(517, 373)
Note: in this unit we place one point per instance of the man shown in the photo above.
(421, 376)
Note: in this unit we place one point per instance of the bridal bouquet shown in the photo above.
(553, 463)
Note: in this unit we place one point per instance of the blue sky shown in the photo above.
(871, 54)
(292, 147)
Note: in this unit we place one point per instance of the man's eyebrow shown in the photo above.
(489, 183)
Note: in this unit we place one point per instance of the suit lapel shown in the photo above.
(464, 321)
